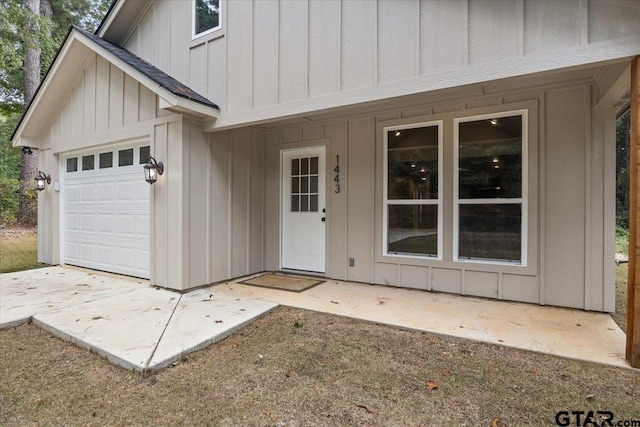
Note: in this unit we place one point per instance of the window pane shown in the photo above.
(295, 167)
(295, 185)
(207, 15)
(313, 184)
(125, 157)
(106, 160)
(304, 203)
(313, 203)
(413, 229)
(491, 158)
(304, 184)
(145, 153)
(72, 164)
(295, 203)
(88, 162)
(314, 165)
(413, 163)
(304, 166)
(490, 231)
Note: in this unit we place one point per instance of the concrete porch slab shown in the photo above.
(26, 293)
(575, 334)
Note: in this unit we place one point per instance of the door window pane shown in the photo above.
(295, 185)
(106, 160)
(304, 203)
(413, 229)
(314, 165)
(313, 184)
(295, 167)
(412, 163)
(313, 203)
(145, 153)
(295, 203)
(72, 164)
(304, 184)
(490, 154)
(490, 231)
(125, 157)
(88, 162)
(304, 166)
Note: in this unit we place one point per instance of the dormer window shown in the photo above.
(206, 17)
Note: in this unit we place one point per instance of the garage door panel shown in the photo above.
(144, 225)
(105, 255)
(142, 260)
(107, 220)
(105, 223)
(87, 252)
(126, 191)
(88, 222)
(71, 251)
(71, 193)
(87, 193)
(71, 222)
(106, 192)
(126, 224)
(143, 193)
(125, 258)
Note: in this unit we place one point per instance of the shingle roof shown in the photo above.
(150, 71)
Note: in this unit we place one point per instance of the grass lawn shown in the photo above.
(18, 250)
(297, 368)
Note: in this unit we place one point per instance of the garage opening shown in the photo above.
(106, 210)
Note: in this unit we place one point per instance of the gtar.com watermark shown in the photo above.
(592, 418)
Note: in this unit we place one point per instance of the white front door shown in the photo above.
(303, 209)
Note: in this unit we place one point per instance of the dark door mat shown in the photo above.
(282, 282)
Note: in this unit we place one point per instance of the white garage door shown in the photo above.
(106, 210)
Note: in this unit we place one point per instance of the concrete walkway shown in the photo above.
(123, 319)
(143, 328)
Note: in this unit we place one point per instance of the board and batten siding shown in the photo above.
(288, 53)
(569, 173)
(103, 106)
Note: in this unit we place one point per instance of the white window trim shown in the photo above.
(195, 36)
(438, 201)
(523, 201)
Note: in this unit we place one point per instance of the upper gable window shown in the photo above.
(206, 17)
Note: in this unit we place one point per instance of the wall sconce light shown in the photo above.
(41, 179)
(152, 170)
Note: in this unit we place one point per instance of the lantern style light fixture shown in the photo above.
(152, 169)
(41, 179)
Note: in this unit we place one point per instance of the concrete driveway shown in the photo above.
(123, 319)
(143, 328)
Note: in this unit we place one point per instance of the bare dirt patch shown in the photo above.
(298, 368)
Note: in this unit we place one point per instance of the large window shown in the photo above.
(206, 17)
(490, 188)
(412, 190)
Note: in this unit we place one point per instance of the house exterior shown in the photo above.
(456, 146)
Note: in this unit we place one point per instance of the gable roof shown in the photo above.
(152, 72)
(76, 47)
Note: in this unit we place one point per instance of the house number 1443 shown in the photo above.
(336, 179)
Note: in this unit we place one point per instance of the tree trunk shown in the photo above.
(27, 207)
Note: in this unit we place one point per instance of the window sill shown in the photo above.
(206, 37)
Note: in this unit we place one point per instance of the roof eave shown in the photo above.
(172, 102)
